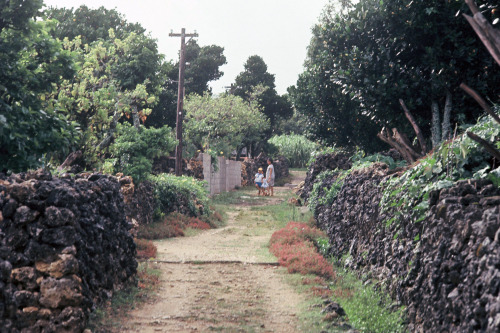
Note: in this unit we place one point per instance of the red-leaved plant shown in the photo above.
(295, 250)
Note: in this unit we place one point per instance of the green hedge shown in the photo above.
(185, 195)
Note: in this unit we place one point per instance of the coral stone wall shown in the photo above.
(445, 269)
(323, 163)
(65, 246)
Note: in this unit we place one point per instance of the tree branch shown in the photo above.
(385, 136)
(488, 35)
(404, 142)
(416, 128)
(480, 101)
(472, 5)
(489, 45)
(488, 146)
(70, 159)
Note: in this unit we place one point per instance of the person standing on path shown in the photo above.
(270, 175)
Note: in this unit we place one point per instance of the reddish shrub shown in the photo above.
(321, 291)
(145, 249)
(196, 223)
(294, 248)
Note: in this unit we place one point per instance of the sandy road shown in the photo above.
(221, 280)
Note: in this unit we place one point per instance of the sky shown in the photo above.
(277, 30)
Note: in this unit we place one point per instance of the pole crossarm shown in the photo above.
(185, 35)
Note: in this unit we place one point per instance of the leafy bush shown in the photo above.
(296, 148)
(145, 249)
(295, 249)
(359, 160)
(185, 195)
(134, 150)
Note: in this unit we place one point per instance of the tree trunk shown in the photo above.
(416, 128)
(112, 127)
(446, 127)
(70, 160)
(135, 117)
(385, 136)
(436, 125)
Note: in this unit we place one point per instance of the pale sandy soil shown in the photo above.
(221, 280)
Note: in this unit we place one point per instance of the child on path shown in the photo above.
(259, 178)
(265, 185)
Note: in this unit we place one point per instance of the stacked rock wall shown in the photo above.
(323, 163)
(65, 246)
(139, 200)
(445, 269)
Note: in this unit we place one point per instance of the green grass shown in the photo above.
(310, 316)
(284, 212)
(368, 309)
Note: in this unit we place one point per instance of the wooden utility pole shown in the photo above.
(180, 99)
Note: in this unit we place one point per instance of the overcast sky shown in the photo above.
(277, 30)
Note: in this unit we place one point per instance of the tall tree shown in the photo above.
(96, 96)
(140, 61)
(203, 67)
(255, 74)
(377, 52)
(222, 123)
(31, 61)
(90, 24)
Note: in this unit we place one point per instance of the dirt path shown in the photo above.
(222, 280)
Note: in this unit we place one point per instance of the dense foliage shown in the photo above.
(256, 83)
(134, 150)
(463, 158)
(222, 123)
(185, 195)
(364, 58)
(96, 97)
(296, 148)
(31, 61)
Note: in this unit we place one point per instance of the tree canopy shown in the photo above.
(90, 24)
(222, 123)
(203, 66)
(363, 59)
(31, 62)
(255, 74)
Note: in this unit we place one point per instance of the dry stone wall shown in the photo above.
(445, 269)
(65, 247)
